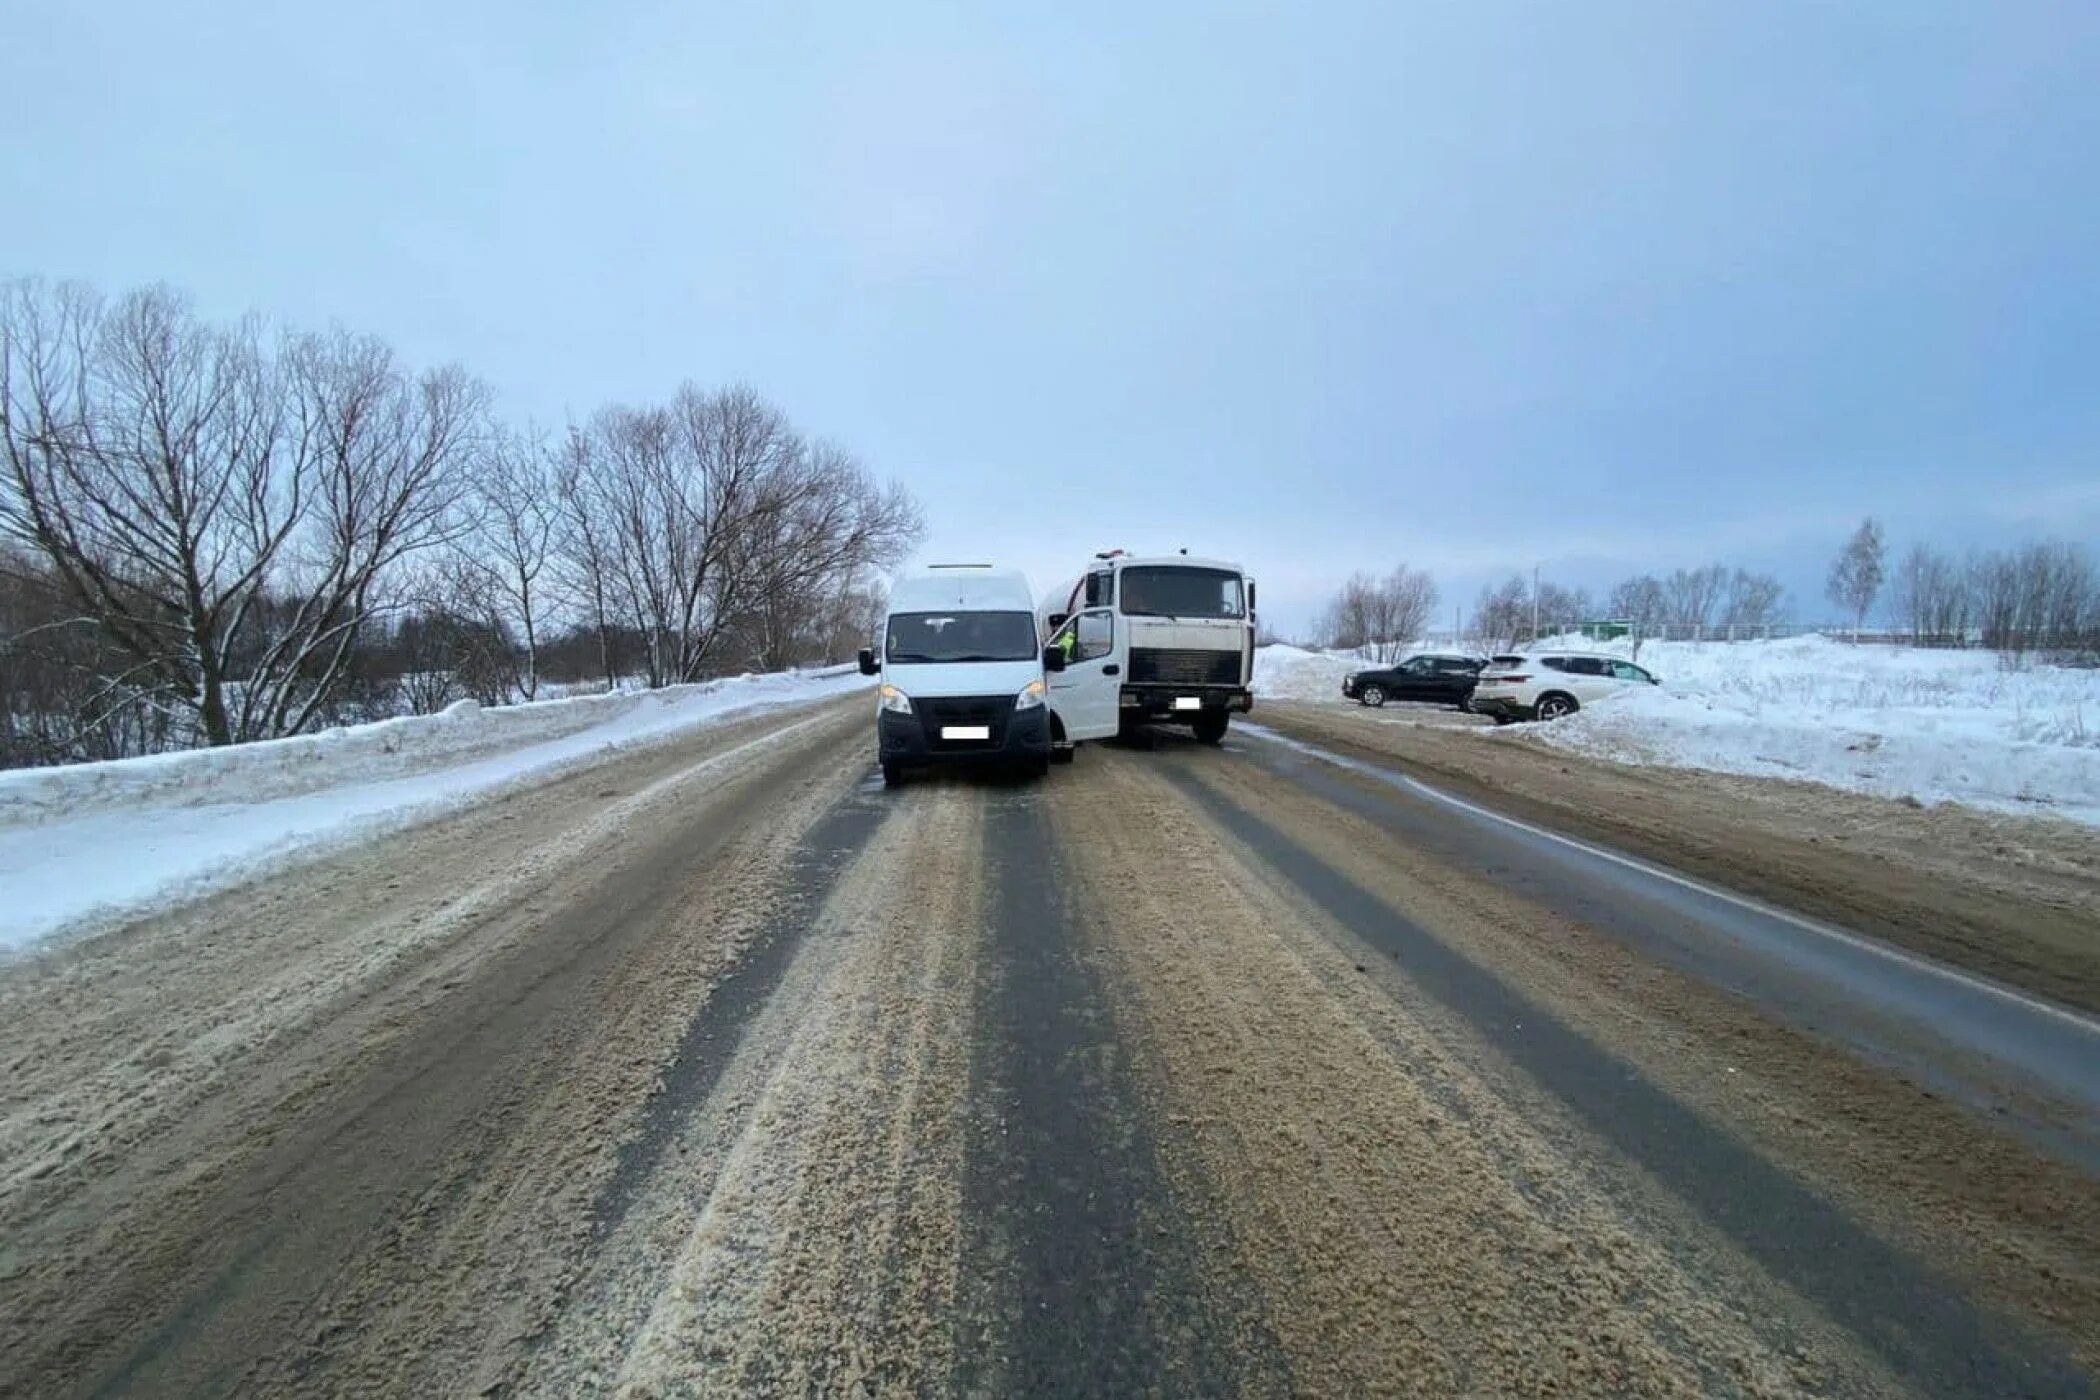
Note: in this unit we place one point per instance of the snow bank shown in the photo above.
(1284, 672)
(97, 838)
(1901, 722)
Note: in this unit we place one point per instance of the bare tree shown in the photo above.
(583, 548)
(1856, 573)
(818, 527)
(2043, 596)
(1405, 599)
(141, 449)
(1930, 595)
(1503, 613)
(1560, 608)
(225, 517)
(380, 455)
(711, 521)
(502, 561)
(1693, 594)
(1348, 622)
(201, 532)
(1385, 615)
(1641, 601)
(1751, 600)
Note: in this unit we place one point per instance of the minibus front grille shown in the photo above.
(943, 711)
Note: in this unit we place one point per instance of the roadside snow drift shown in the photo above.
(95, 839)
(1283, 672)
(1901, 722)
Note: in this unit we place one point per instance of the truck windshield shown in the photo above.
(962, 636)
(1168, 591)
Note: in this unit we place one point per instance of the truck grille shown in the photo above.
(992, 711)
(1184, 666)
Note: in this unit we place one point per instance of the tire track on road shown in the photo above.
(1081, 1278)
(1406, 1230)
(1897, 1306)
(797, 1233)
(2014, 1228)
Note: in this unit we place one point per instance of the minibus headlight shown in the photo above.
(1031, 697)
(894, 700)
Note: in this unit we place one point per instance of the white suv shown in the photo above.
(1549, 684)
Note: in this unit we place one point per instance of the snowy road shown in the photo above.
(716, 1068)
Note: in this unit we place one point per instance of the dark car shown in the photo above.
(1439, 680)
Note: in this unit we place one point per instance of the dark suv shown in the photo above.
(1440, 680)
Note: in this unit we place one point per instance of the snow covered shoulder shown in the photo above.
(1909, 723)
(1899, 722)
(98, 838)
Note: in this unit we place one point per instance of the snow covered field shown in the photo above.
(95, 838)
(1899, 722)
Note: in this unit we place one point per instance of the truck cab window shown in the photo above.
(1168, 590)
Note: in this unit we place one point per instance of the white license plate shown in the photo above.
(1187, 702)
(966, 731)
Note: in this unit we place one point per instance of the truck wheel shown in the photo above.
(892, 775)
(1374, 696)
(1064, 755)
(1210, 728)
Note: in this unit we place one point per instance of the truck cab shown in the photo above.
(1175, 633)
(965, 675)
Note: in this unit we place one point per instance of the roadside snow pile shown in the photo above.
(1284, 672)
(1900, 722)
(95, 838)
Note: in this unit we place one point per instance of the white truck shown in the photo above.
(1174, 634)
(964, 674)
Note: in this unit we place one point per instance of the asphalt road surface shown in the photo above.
(1266, 1070)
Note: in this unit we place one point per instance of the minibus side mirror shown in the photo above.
(869, 666)
(1053, 658)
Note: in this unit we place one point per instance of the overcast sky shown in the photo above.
(1601, 286)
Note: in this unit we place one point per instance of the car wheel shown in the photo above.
(1374, 696)
(1465, 704)
(1501, 719)
(1555, 705)
(892, 775)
